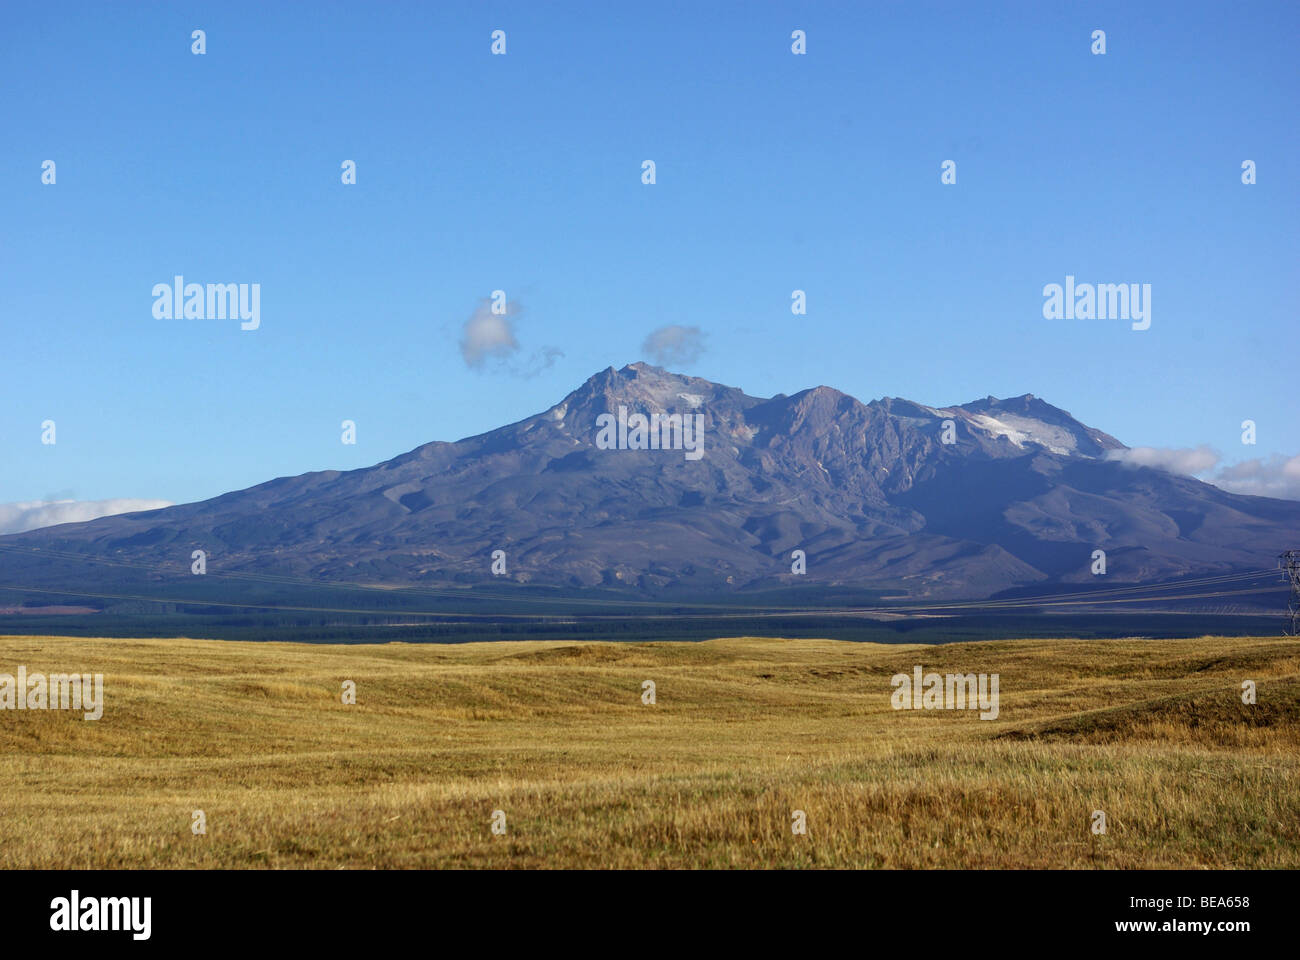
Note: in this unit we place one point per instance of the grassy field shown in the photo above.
(745, 731)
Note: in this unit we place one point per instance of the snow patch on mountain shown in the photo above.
(1025, 430)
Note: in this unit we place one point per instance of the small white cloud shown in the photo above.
(541, 361)
(489, 335)
(674, 345)
(1185, 460)
(34, 514)
(1278, 476)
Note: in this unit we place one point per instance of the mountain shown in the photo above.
(871, 492)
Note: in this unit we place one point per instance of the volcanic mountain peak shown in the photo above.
(1029, 420)
(1016, 424)
(957, 501)
(645, 389)
(996, 427)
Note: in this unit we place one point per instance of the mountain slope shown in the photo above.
(870, 492)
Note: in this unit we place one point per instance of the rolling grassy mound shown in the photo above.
(744, 732)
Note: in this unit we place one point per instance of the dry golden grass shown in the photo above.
(744, 731)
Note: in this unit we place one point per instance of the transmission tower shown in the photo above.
(1289, 563)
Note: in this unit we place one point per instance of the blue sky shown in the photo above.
(522, 172)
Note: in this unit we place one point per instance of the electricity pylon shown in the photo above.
(1289, 563)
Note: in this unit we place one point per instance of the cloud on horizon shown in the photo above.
(1276, 476)
(33, 514)
(674, 345)
(1172, 460)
